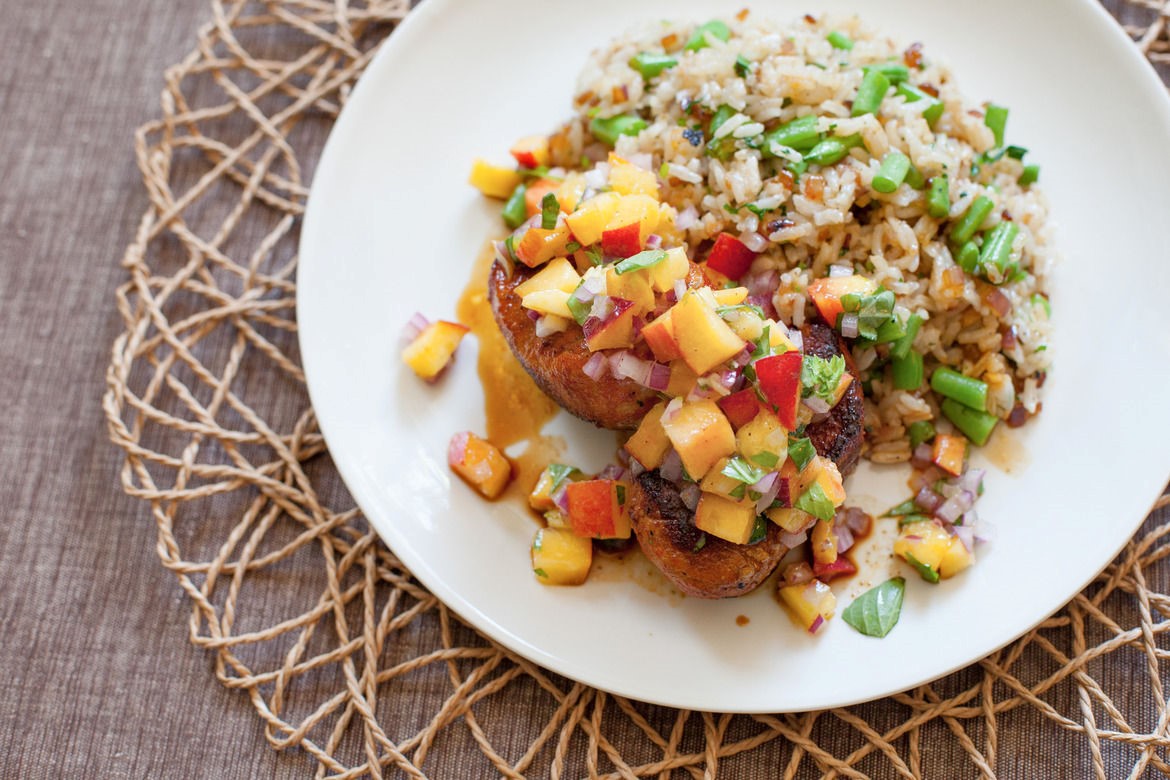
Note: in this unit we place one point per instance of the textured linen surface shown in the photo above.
(97, 677)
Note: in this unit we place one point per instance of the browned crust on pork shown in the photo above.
(667, 535)
(666, 528)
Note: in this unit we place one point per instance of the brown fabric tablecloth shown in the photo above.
(97, 678)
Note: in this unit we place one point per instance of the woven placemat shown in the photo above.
(342, 654)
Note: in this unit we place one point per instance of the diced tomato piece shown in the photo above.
(842, 567)
(740, 408)
(623, 242)
(730, 257)
(779, 377)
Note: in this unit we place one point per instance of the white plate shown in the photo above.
(392, 228)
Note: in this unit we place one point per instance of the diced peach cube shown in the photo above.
(592, 217)
(559, 274)
(701, 434)
(560, 557)
(811, 603)
(703, 337)
(430, 352)
(649, 443)
(479, 463)
(725, 518)
(628, 179)
(493, 180)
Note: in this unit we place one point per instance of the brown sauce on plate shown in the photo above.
(1005, 450)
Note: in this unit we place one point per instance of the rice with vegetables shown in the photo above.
(711, 118)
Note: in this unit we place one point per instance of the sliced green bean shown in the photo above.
(997, 247)
(915, 178)
(799, 134)
(515, 209)
(892, 172)
(920, 431)
(895, 72)
(1030, 175)
(902, 346)
(832, 150)
(996, 119)
(907, 371)
(938, 203)
(970, 392)
(650, 64)
(716, 28)
(608, 130)
(968, 257)
(913, 94)
(965, 226)
(871, 93)
(839, 40)
(976, 426)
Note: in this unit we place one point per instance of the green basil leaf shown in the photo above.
(650, 257)
(739, 469)
(816, 503)
(801, 451)
(924, 571)
(875, 612)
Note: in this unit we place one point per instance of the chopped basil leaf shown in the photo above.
(540, 573)
(738, 491)
(907, 507)
(759, 530)
(572, 246)
(908, 519)
(801, 451)
(699, 545)
(875, 612)
(641, 260)
(578, 308)
(756, 310)
(816, 503)
(621, 495)
(595, 255)
(873, 311)
(924, 571)
(549, 208)
(820, 377)
(766, 459)
(740, 469)
(1016, 152)
(743, 66)
(559, 473)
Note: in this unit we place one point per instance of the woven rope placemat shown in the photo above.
(342, 654)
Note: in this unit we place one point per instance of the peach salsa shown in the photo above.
(764, 251)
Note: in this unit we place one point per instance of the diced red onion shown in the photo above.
(457, 447)
(611, 471)
(970, 518)
(671, 468)
(971, 480)
(928, 499)
(672, 409)
(764, 284)
(687, 218)
(922, 455)
(816, 624)
(797, 573)
(596, 366)
(966, 535)
(844, 538)
(680, 289)
(744, 357)
(850, 325)
(659, 378)
(414, 326)
(598, 176)
(533, 314)
(953, 508)
(561, 499)
(857, 521)
(626, 364)
(602, 307)
(768, 486)
(840, 270)
(818, 405)
(690, 495)
(793, 540)
(548, 325)
(797, 338)
(754, 241)
(594, 284)
(653, 241)
(984, 531)
(636, 467)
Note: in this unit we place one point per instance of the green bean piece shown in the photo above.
(996, 119)
(965, 226)
(895, 72)
(915, 178)
(913, 94)
(920, 431)
(889, 332)
(1030, 175)
(515, 209)
(799, 134)
(871, 93)
(971, 393)
(938, 203)
(839, 40)
(832, 150)
(907, 371)
(716, 28)
(997, 246)
(608, 130)
(976, 426)
(968, 257)
(650, 64)
(892, 172)
(902, 346)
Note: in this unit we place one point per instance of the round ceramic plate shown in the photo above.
(392, 227)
